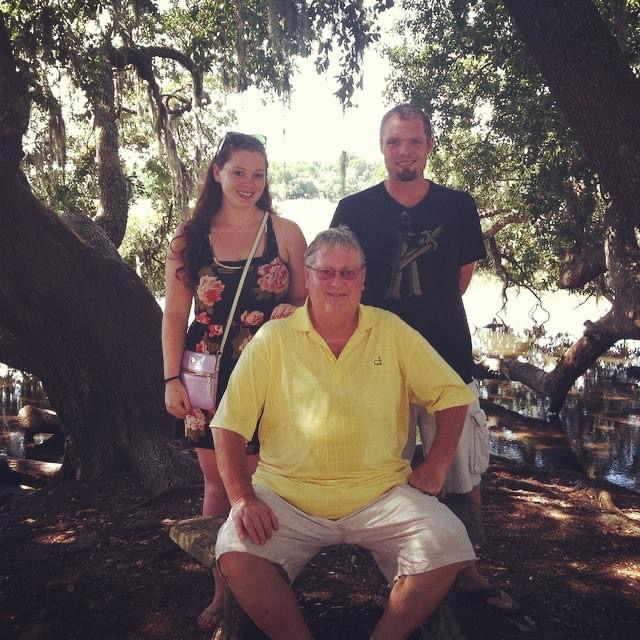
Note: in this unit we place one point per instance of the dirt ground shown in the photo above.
(94, 561)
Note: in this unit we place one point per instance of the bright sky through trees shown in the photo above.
(314, 126)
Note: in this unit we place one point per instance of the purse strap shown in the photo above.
(243, 277)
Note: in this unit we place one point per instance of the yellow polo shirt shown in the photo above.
(332, 429)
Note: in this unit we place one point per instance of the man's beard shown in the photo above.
(406, 175)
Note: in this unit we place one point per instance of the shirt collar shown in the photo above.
(367, 318)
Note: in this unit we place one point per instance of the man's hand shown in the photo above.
(428, 478)
(253, 518)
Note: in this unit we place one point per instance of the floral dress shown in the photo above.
(265, 287)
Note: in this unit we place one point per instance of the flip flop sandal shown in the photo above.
(481, 596)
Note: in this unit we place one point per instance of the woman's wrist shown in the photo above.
(170, 378)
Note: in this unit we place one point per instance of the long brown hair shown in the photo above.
(209, 203)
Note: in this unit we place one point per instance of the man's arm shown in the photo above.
(466, 273)
(430, 475)
(251, 516)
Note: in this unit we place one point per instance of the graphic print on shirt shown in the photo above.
(411, 245)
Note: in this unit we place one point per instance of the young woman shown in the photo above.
(204, 263)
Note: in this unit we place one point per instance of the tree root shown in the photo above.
(169, 492)
(606, 504)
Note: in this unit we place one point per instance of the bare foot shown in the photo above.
(211, 616)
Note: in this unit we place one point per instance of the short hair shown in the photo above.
(340, 236)
(407, 112)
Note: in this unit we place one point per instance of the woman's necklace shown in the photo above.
(213, 253)
(227, 266)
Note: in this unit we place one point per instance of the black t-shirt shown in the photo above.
(414, 255)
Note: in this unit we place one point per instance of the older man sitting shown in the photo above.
(331, 388)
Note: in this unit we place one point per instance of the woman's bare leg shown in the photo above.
(215, 503)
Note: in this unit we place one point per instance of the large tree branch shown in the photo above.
(14, 355)
(578, 268)
(513, 218)
(584, 68)
(597, 339)
(142, 58)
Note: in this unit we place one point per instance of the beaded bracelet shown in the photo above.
(171, 378)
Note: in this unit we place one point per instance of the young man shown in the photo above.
(331, 386)
(421, 242)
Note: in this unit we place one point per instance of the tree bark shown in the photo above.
(579, 268)
(15, 106)
(93, 331)
(114, 204)
(590, 78)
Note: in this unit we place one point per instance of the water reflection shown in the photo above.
(16, 390)
(603, 426)
(600, 422)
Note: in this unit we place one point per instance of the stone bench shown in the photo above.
(197, 536)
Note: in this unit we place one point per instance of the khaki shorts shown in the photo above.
(408, 533)
(471, 458)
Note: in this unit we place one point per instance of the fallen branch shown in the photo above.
(30, 472)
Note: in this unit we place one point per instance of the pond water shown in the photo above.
(16, 391)
(598, 430)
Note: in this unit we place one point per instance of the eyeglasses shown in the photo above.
(228, 137)
(327, 273)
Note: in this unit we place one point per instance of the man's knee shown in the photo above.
(440, 578)
(228, 561)
(235, 565)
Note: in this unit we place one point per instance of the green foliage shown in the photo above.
(155, 216)
(499, 133)
(255, 42)
(299, 180)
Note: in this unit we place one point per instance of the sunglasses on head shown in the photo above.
(238, 136)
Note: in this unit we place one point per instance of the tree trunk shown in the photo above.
(114, 204)
(578, 268)
(93, 330)
(590, 78)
